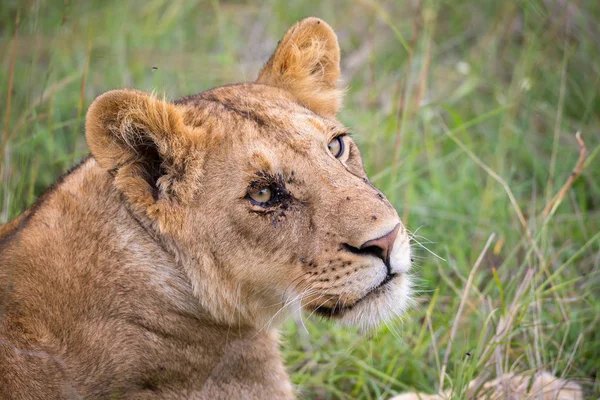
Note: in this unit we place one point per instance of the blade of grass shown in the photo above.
(460, 309)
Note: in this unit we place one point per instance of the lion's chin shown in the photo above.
(388, 302)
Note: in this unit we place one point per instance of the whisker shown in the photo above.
(429, 251)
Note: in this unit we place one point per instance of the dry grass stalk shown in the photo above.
(557, 199)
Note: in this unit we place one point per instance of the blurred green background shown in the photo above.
(466, 114)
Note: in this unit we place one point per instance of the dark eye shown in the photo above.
(260, 195)
(336, 146)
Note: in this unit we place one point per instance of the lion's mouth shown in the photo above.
(339, 309)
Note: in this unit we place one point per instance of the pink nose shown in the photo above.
(381, 246)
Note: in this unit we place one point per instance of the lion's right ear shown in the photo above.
(307, 64)
(140, 139)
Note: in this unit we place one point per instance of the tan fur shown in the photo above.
(147, 272)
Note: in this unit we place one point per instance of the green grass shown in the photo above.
(457, 107)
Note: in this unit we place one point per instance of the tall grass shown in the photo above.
(466, 114)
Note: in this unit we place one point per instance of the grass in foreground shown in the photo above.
(466, 114)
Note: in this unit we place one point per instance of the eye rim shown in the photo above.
(340, 139)
(258, 189)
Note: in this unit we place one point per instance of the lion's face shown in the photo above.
(260, 191)
(291, 211)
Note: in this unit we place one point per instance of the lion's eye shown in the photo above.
(336, 146)
(261, 195)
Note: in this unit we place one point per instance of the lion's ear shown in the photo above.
(140, 139)
(307, 64)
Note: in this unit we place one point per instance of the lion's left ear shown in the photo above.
(142, 141)
(307, 64)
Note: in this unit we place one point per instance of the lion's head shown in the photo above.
(258, 190)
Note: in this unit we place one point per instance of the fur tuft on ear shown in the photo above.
(140, 139)
(307, 64)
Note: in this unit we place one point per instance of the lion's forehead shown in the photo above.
(254, 111)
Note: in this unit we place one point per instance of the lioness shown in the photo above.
(161, 266)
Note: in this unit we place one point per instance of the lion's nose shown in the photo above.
(382, 246)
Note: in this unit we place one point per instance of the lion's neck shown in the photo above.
(185, 279)
(189, 280)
